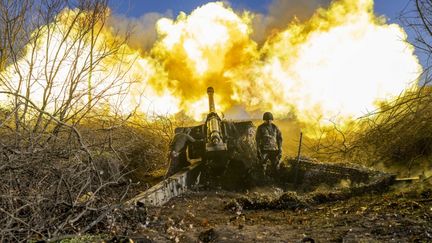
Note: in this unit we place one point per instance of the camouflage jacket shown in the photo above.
(268, 137)
(179, 141)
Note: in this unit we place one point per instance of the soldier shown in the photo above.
(177, 149)
(269, 142)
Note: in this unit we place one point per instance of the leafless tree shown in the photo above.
(417, 18)
(62, 76)
(60, 156)
(14, 30)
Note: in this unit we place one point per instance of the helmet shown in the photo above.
(267, 116)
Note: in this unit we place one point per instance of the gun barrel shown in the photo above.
(210, 93)
(215, 140)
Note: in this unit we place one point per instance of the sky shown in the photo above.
(136, 8)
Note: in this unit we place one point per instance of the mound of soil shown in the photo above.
(402, 216)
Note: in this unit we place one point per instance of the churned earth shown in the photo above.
(402, 214)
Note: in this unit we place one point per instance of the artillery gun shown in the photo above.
(224, 156)
(220, 142)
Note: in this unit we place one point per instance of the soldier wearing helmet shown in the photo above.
(269, 142)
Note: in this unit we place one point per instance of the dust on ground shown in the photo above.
(403, 214)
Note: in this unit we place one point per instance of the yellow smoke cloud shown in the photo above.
(200, 50)
(338, 63)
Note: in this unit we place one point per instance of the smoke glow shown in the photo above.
(340, 62)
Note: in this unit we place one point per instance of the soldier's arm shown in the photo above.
(279, 138)
(190, 138)
(258, 143)
(258, 137)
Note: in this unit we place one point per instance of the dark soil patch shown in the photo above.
(398, 215)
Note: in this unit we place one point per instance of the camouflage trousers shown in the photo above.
(177, 161)
(270, 160)
(174, 164)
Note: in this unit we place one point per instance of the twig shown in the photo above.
(77, 133)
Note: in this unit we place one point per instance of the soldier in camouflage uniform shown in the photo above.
(177, 151)
(269, 143)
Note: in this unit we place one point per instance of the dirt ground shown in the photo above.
(403, 214)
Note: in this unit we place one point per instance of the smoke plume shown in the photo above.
(141, 31)
(335, 60)
(281, 13)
